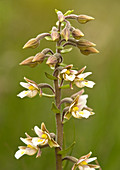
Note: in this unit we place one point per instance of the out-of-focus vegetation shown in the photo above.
(23, 19)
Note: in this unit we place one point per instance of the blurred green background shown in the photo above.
(24, 19)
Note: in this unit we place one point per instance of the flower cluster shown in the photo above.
(63, 34)
(35, 143)
(76, 77)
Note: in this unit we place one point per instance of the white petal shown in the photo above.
(91, 159)
(30, 151)
(89, 84)
(85, 114)
(37, 141)
(73, 71)
(23, 94)
(79, 84)
(20, 153)
(63, 71)
(32, 93)
(25, 85)
(38, 131)
(70, 77)
(84, 75)
(82, 101)
(26, 141)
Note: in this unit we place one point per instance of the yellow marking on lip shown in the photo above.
(30, 146)
(26, 92)
(83, 163)
(44, 136)
(86, 83)
(67, 72)
(75, 109)
(22, 152)
(81, 79)
(40, 140)
(81, 113)
(31, 88)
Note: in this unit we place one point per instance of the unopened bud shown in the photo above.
(52, 61)
(83, 44)
(61, 17)
(84, 18)
(28, 62)
(54, 34)
(89, 50)
(77, 34)
(39, 57)
(32, 43)
(66, 33)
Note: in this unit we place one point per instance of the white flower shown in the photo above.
(83, 161)
(78, 108)
(43, 137)
(81, 82)
(32, 89)
(30, 149)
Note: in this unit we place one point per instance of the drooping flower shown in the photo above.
(44, 134)
(78, 108)
(83, 163)
(30, 149)
(32, 87)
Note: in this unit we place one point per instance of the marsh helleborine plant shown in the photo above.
(64, 34)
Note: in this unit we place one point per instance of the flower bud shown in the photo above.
(61, 17)
(83, 44)
(32, 43)
(54, 34)
(84, 18)
(77, 34)
(39, 57)
(29, 62)
(52, 61)
(66, 33)
(89, 50)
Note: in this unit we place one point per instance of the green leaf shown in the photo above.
(66, 50)
(49, 76)
(62, 152)
(54, 108)
(60, 47)
(68, 12)
(48, 38)
(65, 86)
(48, 95)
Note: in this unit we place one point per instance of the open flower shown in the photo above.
(78, 108)
(30, 149)
(80, 79)
(83, 163)
(76, 77)
(32, 87)
(44, 135)
(67, 74)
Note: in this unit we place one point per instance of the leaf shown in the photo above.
(66, 50)
(60, 47)
(68, 12)
(62, 152)
(54, 108)
(49, 76)
(65, 86)
(48, 95)
(48, 38)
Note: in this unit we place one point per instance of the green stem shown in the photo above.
(59, 125)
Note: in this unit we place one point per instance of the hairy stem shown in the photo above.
(59, 126)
